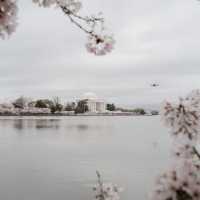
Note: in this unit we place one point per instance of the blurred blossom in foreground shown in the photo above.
(194, 98)
(8, 17)
(106, 191)
(183, 148)
(181, 182)
(182, 117)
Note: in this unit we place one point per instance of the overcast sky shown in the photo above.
(157, 41)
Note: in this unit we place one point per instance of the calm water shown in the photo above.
(56, 158)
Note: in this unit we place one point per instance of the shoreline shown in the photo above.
(72, 115)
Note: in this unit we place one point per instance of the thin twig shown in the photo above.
(71, 14)
(79, 25)
(100, 185)
(196, 152)
(87, 19)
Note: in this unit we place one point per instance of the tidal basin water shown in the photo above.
(56, 158)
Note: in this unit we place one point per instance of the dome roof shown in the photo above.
(90, 96)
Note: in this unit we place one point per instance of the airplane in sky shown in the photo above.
(154, 85)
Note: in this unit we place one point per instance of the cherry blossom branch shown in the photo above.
(86, 19)
(92, 21)
(99, 41)
(70, 14)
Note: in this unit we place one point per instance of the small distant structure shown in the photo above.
(154, 85)
(94, 104)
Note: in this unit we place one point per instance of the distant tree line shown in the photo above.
(111, 107)
(55, 106)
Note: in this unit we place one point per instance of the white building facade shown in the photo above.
(94, 104)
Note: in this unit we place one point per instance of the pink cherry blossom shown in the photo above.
(100, 45)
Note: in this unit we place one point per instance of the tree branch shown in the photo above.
(196, 152)
(71, 14)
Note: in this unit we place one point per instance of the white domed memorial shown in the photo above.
(95, 104)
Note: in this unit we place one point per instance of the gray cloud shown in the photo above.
(157, 41)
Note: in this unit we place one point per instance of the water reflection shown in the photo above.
(52, 124)
(56, 158)
(22, 124)
(82, 127)
(18, 124)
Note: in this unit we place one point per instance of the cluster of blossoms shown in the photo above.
(8, 17)
(194, 98)
(183, 148)
(106, 191)
(100, 45)
(183, 118)
(182, 181)
(9, 108)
